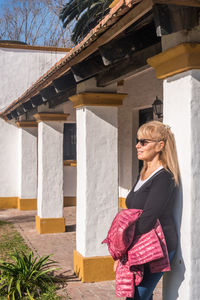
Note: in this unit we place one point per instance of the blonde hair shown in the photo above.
(168, 156)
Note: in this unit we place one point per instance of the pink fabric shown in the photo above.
(147, 248)
(121, 232)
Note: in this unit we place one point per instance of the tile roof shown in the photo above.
(64, 64)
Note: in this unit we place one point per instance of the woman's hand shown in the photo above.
(115, 265)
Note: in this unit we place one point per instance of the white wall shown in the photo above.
(8, 160)
(142, 88)
(27, 168)
(69, 182)
(182, 113)
(19, 69)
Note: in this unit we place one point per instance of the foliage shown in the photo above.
(85, 14)
(10, 239)
(27, 276)
(33, 22)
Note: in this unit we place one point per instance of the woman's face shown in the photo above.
(148, 149)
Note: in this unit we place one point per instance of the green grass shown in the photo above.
(10, 239)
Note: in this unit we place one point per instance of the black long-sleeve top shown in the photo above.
(156, 198)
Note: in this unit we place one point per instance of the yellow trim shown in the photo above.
(50, 225)
(27, 204)
(176, 60)
(113, 3)
(97, 99)
(50, 117)
(69, 201)
(28, 47)
(25, 124)
(93, 269)
(71, 163)
(8, 202)
(122, 202)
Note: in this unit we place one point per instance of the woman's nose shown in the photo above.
(138, 145)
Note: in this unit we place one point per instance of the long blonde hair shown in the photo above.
(168, 155)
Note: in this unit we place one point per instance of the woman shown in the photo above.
(155, 192)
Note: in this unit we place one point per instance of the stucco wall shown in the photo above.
(9, 139)
(19, 68)
(142, 88)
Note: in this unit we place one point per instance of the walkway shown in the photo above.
(61, 246)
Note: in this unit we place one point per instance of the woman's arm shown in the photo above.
(156, 203)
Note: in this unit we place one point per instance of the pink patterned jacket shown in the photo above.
(134, 253)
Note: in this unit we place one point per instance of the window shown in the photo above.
(69, 143)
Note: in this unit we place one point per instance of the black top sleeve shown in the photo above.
(156, 202)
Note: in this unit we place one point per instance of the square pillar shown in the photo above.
(180, 69)
(50, 173)
(27, 198)
(97, 182)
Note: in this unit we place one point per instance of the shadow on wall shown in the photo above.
(172, 280)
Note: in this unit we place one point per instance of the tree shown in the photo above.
(84, 15)
(34, 22)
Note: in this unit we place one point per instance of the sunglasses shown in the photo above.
(144, 142)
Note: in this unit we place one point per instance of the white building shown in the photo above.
(109, 84)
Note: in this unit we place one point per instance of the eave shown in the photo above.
(123, 15)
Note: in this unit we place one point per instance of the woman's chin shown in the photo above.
(140, 157)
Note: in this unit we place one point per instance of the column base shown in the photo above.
(49, 225)
(8, 202)
(122, 203)
(27, 204)
(93, 269)
(69, 201)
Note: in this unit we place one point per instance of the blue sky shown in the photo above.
(3, 3)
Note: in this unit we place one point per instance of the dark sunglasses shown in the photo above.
(144, 142)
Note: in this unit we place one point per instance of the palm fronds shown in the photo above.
(84, 14)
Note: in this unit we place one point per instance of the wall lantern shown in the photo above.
(158, 107)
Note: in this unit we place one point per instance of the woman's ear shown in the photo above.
(162, 145)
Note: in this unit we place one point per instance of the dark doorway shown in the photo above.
(69, 143)
(145, 115)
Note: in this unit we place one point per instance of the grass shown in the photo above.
(10, 240)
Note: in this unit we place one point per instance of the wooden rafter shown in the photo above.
(127, 66)
(193, 3)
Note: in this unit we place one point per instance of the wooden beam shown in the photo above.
(87, 68)
(193, 3)
(128, 66)
(132, 42)
(172, 18)
(48, 93)
(62, 97)
(36, 100)
(27, 106)
(64, 82)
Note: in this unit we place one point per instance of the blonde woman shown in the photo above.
(155, 192)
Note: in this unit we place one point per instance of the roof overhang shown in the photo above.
(67, 72)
